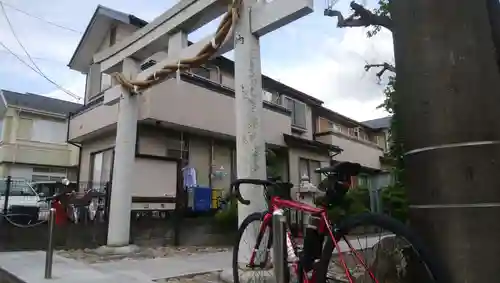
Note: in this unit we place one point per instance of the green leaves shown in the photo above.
(382, 10)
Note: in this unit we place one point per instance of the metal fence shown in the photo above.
(25, 210)
(84, 223)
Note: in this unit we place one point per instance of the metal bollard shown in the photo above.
(279, 245)
(50, 246)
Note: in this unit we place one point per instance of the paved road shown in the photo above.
(160, 268)
(29, 266)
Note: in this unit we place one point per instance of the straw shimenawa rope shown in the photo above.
(222, 35)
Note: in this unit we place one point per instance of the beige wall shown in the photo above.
(358, 150)
(18, 147)
(196, 107)
(365, 154)
(93, 119)
(184, 104)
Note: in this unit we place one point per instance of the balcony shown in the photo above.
(194, 103)
(31, 152)
(363, 152)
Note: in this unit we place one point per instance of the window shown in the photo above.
(112, 36)
(105, 81)
(48, 174)
(267, 96)
(334, 127)
(101, 166)
(298, 110)
(363, 181)
(202, 72)
(271, 97)
(17, 188)
(307, 167)
(38, 178)
(24, 128)
(354, 132)
(50, 170)
(178, 147)
(48, 131)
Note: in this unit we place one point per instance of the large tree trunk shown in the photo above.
(448, 88)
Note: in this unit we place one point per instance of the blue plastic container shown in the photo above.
(202, 200)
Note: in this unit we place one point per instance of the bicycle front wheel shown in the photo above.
(252, 255)
(390, 252)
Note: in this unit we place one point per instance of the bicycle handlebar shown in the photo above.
(236, 185)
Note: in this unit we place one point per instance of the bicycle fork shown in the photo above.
(263, 256)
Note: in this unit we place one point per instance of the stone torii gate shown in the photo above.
(256, 18)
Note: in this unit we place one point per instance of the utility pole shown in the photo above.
(448, 101)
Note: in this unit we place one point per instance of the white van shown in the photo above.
(21, 193)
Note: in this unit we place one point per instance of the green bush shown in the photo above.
(356, 201)
(227, 218)
(395, 202)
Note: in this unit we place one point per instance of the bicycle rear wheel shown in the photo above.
(408, 262)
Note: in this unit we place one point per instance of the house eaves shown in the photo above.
(334, 116)
(380, 123)
(95, 31)
(39, 104)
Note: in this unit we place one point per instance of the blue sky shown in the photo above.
(310, 54)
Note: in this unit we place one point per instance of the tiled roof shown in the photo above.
(39, 102)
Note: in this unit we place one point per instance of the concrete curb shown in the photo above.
(7, 277)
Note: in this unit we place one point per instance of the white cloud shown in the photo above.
(335, 73)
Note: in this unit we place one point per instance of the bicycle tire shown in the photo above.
(387, 223)
(256, 216)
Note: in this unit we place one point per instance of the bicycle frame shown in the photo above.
(324, 225)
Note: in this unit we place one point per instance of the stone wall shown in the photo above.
(145, 231)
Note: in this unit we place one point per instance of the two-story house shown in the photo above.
(362, 142)
(33, 131)
(193, 119)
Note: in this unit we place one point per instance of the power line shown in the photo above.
(36, 68)
(38, 58)
(36, 71)
(40, 18)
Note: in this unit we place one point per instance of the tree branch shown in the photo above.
(360, 18)
(385, 67)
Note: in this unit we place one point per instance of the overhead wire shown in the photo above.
(40, 18)
(55, 61)
(35, 66)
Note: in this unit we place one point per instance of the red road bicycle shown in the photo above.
(320, 257)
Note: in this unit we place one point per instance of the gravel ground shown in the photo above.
(212, 277)
(95, 256)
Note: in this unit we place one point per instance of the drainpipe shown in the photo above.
(210, 168)
(16, 145)
(79, 150)
(219, 76)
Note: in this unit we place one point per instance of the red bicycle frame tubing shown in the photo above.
(277, 203)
